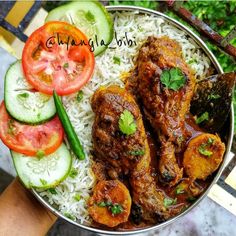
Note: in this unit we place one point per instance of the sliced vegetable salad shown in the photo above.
(23, 102)
(57, 59)
(89, 16)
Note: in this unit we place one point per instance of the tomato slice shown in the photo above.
(27, 139)
(57, 56)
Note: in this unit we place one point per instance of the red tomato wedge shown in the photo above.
(28, 139)
(57, 56)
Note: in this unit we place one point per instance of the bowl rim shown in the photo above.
(214, 61)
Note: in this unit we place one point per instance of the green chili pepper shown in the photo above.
(69, 130)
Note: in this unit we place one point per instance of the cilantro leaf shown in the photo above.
(137, 152)
(173, 79)
(202, 149)
(116, 60)
(79, 96)
(116, 209)
(169, 201)
(73, 173)
(68, 215)
(102, 204)
(179, 190)
(202, 117)
(52, 190)
(127, 124)
(213, 96)
(66, 65)
(210, 141)
(77, 197)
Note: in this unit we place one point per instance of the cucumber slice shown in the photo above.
(45, 172)
(91, 17)
(22, 102)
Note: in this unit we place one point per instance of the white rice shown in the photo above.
(138, 27)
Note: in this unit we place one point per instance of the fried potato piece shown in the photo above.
(203, 156)
(110, 203)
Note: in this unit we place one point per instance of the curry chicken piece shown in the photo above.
(126, 155)
(165, 108)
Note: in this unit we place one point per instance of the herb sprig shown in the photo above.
(52, 190)
(173, 79)
(139, 152)
(79, 96)
(169, 202)
(204, 116)
(68, 215)
(202, 148)
(115, 208)
(73, 173)
(116, 60)
(179, 190)
(127, 124)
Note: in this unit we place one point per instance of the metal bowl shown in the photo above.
(218, 68)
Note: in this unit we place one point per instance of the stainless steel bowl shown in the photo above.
(218, 68)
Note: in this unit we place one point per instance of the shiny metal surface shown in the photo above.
(217, 66)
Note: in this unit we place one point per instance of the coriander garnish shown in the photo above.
(77, 197)
(127, 124)
(137, 152)
(169, 202)
(68, 215)
(173, 79)
(204, 116)
(115, 208)
(73, 173)
(116, 60)
(210, 141)
(179, 190)
(52, 190)
(79, 96)
(202, 149)
(213, 96)
(102, 204)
